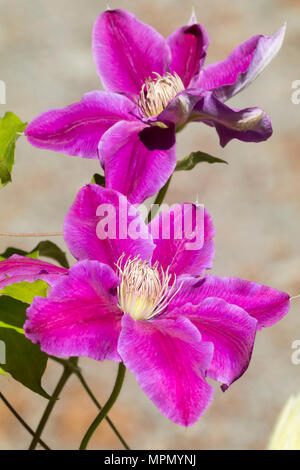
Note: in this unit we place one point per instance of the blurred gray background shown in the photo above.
(46, 62)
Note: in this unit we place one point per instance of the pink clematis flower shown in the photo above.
(154, 86)
(142, 301)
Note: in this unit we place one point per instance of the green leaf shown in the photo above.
(15, 251)
(44, 248)
(51, 250)
(25, 362)
(191, 160)
(12, 312)
(10, 128)
(98, 179)
(26, 291)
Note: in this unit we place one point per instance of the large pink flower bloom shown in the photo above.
(154, 87)
(142, 301)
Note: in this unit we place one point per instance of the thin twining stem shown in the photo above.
(295, 297)
(21, 420)
(108, 405)
(113, 427)
(23, 235)
(78, 373)
(157, 203)
(67, 372)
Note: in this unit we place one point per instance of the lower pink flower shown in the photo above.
(142, 301)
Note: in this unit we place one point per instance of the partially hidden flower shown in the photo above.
(142, 300)
(286, 433)
(154, 87)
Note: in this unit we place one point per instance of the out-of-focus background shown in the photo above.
(46, 62)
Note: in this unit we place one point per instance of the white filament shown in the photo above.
(156, 94)
(144, 290)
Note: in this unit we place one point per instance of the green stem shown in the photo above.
(110, 402)
(159, 200)
(73, 366)
(31, 235)
(78, 373)
(21, 420)
(49, 408)
(113, 427)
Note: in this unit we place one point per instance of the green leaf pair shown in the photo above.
(191, 160)
(24, 361)
(45, 248)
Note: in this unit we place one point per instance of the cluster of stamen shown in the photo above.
(157, 93)
(144, 290)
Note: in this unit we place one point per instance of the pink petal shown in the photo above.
(80, 317)
(265, 304)
(106, 236)
(179, 110)
(229, 328)
(127, 51)
(247, 125)
(188, 48)
(170, 363)
(177, 246)
(138, 159)
(20, 268)
(241, 67)
(76, 129)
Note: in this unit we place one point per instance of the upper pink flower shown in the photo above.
(154, 87)
(142, 301)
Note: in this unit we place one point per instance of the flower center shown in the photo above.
(144, 290)
(157, 93)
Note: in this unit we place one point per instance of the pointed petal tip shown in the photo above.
(126, 51)
(283, 27)
(281, 34)
(275, 41)
(193, 18)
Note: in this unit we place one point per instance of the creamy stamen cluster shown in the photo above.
(144, 290)
(157, 93)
